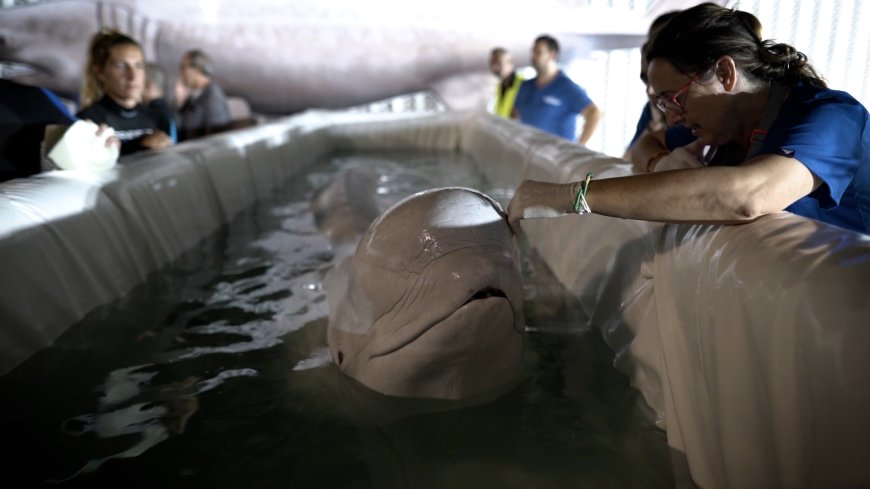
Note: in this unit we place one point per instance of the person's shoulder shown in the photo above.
(822, 105)
(94, 111)
(527, 87)
(159, 109)
(214, 90)
(32, 103)
(563, 77)
(159, 104)
(573, 89)
(10, 89)
(811, 95)
(567, 82)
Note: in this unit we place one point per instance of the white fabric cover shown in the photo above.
(750, 344)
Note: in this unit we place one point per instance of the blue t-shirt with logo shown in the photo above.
(829, 132)
(553, 108)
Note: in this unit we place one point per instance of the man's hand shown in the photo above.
(157, 140)
(534, 200)
(688, 156)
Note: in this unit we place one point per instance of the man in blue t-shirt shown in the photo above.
(551, 101)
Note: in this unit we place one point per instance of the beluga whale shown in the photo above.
(429, 303)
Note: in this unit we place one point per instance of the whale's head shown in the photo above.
(430, 304)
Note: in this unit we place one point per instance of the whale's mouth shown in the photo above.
(477, 300)
(486, 293)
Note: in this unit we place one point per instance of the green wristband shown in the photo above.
(580, 205)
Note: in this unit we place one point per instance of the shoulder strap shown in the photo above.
(771, 111)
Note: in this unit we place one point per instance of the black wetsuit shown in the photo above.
(130, 125)
(165, 117)
(24, 113)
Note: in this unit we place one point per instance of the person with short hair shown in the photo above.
(204, 110)
(112, 92)
(795, 144)
(551, 101)
(501, 64)
(653, 139)
(154, 98)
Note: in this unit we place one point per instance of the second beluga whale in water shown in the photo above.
(427, 303)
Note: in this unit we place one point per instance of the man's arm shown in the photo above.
(650, 144)
(591, 115)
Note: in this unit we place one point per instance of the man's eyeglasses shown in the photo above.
(672, 102)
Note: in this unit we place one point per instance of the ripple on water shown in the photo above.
(225, 356)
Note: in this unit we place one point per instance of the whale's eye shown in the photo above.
(340, 357)
(486, 293)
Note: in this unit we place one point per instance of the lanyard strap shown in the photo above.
(771, 111)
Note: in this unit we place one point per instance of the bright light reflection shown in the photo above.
(210, 9)
(463, 211)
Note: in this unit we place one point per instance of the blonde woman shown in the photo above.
(112, 92)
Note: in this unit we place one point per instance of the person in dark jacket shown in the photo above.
(25, 111)
(204, 109)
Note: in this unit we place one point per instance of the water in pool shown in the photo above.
(215, 373)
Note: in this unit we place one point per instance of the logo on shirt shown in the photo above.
(786, 152)
(551, 100)
(132, 134)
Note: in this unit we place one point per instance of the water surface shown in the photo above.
(215, 373)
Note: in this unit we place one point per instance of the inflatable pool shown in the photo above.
(750, 344)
